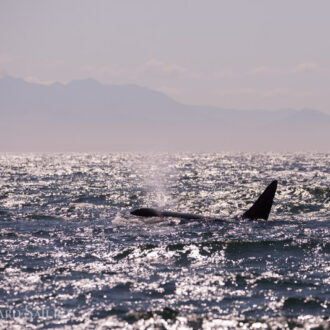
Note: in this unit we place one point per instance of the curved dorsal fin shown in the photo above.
(261, 208)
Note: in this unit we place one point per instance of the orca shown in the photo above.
(259, 210)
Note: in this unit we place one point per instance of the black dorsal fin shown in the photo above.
(261, 208)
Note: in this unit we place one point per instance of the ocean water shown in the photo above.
(71, 255)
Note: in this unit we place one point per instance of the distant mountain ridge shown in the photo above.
(85, 115)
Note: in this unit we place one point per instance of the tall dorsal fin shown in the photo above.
(261, 208)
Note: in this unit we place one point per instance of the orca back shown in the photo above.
(147, 212)
(259, 210)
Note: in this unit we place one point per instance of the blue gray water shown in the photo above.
(71, 254)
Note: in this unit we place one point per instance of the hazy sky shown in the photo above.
(237, 53)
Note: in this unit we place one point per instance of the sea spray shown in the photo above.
(157, 174)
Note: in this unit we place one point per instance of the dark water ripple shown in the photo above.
(71, 255)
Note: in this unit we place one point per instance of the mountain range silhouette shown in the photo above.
(85, 115)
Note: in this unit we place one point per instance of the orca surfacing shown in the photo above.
(259, 210)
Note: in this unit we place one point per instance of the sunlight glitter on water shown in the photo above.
(69, 243)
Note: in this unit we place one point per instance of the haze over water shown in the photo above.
(70, 249)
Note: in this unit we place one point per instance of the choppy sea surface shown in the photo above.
(71, 255)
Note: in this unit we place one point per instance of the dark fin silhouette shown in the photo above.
(261, 208)
(147, 212)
